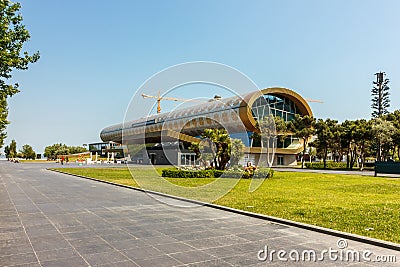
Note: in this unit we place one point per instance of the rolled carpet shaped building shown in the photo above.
(238, 114)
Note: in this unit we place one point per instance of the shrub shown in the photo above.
(176, 173)
(264, 173)
(329, 165)
(211, 173)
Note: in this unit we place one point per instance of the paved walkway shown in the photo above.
(52, 219)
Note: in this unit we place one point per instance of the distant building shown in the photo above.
(105, 149)
(182, 126)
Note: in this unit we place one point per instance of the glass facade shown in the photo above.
(278, 106)
(274, 105)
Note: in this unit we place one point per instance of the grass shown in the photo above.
(367, 206)
(35, 161)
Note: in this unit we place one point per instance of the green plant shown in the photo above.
(329, 165)
(212, 173)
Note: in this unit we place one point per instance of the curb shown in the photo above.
(349, 236)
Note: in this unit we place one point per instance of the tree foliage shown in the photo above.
(3, 119)
(380, 96)
(237, 151)
(383, 131)
(11, 150)
(377, 138)
(281, 128)
(303, 127)
(27, 152)
(13, 35)
(222, 141)
(51, 152)
(325, 131)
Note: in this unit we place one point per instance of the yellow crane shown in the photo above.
(159, 98)
(314, 100)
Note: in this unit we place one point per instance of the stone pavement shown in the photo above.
(52, 219)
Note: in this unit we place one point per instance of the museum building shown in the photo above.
(165, 137)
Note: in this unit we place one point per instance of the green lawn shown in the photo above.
(349, 203)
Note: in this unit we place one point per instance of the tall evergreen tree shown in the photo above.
(380, 95)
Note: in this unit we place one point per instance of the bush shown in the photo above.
(178, 173)
(329, 165)
(264, 173)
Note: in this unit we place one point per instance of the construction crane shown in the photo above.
(314, 100)
(159, 98)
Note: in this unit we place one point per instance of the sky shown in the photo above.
(95, 54)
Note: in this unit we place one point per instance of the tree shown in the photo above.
(51, 152)
(237, 151)
(76, 149)
(3, 119)
(383, 132)
(380, 95)
(281, 127)
(12, 37)
(27, 152)
(11, 150)
(394, 118)
(347, 135)
(362, 138)
(303, 127)
(325, 133)
(222, 142)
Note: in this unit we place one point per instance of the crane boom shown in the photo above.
(314, 100)
(159, 98)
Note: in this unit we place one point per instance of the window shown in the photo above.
(280, 160)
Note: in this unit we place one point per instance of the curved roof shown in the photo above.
(223, 108)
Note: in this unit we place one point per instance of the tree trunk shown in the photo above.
(398, 151)
(304, 153)
(325, 156)
(362, 156)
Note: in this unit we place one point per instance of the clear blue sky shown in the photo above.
(95, 54)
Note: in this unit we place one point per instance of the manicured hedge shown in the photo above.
(177, 173)
(329, 165)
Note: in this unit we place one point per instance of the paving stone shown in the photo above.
(127, 263)
(105, 258)
(94, 249)
(127, 244)
(51, 255)
(142, 252)
(70, 262)
(210, 263)
(49, 242)
(192, 256)
(163, 260)
(18, 259)
(169, 248)
(85, 241)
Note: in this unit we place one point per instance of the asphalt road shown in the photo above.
(52, 219)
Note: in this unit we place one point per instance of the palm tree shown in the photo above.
(222, 141)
